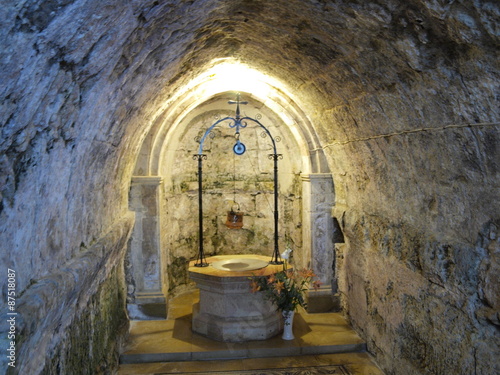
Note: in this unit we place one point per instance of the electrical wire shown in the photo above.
(410, 131)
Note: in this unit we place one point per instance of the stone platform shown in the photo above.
(172, 340)
(227, 310)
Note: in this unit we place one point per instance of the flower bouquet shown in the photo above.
(286, 288)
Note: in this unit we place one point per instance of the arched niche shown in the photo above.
(246, 181)
(164, 192)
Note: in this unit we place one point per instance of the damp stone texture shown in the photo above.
(397, 101)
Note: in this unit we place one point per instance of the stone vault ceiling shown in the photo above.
(83, 78)
(87, 78)
(403, 97)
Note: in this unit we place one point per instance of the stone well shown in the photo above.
(228, 310)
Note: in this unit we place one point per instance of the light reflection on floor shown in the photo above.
(169, 346)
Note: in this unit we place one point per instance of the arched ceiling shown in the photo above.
(85, 80)
(227, 78)
(401, 96)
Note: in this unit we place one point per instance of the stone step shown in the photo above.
(342, 363)
(263, 352)
(172, 340)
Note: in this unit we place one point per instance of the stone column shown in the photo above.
(145, 295)
(318, 197)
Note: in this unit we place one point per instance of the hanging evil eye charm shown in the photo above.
(239, 148)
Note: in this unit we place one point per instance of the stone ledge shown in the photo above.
(51, 303)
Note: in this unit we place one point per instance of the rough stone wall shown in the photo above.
(418, 198)
(433, 305)
(72, 320)
(68, 95)
(416, 186)
(92, 343)
(391, 87)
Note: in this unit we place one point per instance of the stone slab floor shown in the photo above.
(169, 346)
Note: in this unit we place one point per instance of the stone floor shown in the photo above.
(169, 346)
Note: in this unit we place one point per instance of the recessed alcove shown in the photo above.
(394, 102)
(164, 189)
(229, 179)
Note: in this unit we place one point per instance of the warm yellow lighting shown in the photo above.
(231, 76)
(224, 75)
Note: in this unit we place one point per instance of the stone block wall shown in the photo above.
(247, 179)
(425, 307)
(419, 270)
(73, 320)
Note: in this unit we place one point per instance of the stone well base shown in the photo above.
(236, 329)
(228, 311)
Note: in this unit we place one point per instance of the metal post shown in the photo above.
(201, 261)
(276, 258)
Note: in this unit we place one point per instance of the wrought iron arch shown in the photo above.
(239, 148)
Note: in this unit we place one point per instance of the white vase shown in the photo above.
(288, 327)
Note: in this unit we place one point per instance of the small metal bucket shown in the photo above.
(234, 219)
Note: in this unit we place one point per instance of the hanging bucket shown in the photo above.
(234, 219)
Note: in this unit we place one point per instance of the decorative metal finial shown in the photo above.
(239, 148)
(237, 102)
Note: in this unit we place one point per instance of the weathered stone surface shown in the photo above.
(228, 310)
(425, 293)
(83, 302)
(401, 96)
(144, 271)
